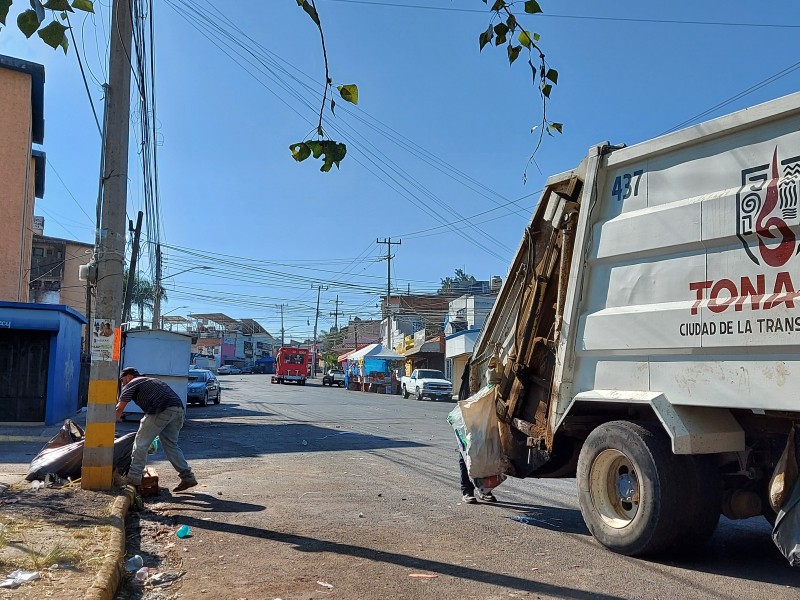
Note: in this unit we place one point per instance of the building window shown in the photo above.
(38, 251)
(49, 252)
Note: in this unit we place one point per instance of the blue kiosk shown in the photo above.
(40, 357)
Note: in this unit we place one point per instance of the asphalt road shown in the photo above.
(305, 486)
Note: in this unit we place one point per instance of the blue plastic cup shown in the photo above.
(184, 531)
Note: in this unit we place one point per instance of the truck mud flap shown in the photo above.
(786, 533)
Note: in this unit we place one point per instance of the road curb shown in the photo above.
(106, 581)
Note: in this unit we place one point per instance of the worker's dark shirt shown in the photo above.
(152, 395)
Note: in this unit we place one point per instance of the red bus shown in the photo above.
(291, 365)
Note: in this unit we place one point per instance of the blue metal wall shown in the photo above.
(63, 373)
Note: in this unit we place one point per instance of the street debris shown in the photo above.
(62, 455)
(165, 579)
(17, 578)
(786, 533)
(142, 575)
(422, 575)
(184, 531)
(134, 563)
(325, 584)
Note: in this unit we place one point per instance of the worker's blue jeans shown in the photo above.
(166, 425)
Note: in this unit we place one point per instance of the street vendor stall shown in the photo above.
(370, 368)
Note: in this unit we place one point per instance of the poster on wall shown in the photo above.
(103, 336)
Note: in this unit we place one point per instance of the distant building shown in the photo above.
(54, 271)
(22, 170)
(465, 318)
(230, 341)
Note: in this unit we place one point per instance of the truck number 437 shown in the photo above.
(622, 189)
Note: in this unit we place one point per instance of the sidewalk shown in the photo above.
(65, 535)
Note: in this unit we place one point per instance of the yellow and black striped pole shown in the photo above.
(98, 452)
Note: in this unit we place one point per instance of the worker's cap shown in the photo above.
(129, 371)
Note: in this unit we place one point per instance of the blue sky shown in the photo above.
(442, 132)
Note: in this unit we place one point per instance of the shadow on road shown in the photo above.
(741, 549)
(235, 440)
(552, 518)
(315, 545)
(202, 502)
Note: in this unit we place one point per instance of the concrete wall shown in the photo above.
(17, 178)
(73, 290)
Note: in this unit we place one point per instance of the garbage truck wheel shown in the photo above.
(632, 488)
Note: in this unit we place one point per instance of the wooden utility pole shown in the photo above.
(335, 314)
(98, 452)
(282, 329)
(316, 322)
(388, 259)
(137, 233)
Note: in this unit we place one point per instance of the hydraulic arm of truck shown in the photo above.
(522, 399)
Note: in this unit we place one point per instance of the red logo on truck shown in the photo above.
(766, 207)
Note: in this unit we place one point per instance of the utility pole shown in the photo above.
(282, 329)
(157, 290)
(316, 322)
(98, 452)
(388, 259)
(335, 314)
(126, 309)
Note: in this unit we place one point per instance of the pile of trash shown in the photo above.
(16, 578)
(477, 430)
(59, 461)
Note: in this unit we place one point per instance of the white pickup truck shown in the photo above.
(427, 382)
(647, 337)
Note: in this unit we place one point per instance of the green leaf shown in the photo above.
(536, 37)
(334, 154)
(64, 44)
(499, 5)
(84, 5)
(500, 31)
(532, 7)
(349, 92)
(333, 106)
(546, 89)
(486, 36)
(559, 127)
(62, 5)
(28, 22)
(552, 75)
(511, 22)
(4, 6)
(316, 148)
(513, 53)
(53, 34)
(300, 151)
(525, 38)
(310, 10)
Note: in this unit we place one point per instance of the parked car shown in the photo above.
(333, 377)
(229, 370)
(247, 370)
(427, 382)
(203, 386)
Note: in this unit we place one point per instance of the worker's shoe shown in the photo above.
(185, 484)
(469, 499)
(487, 497)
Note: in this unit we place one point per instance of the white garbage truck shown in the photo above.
(647, 338)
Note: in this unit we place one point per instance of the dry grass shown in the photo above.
(57, 555)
